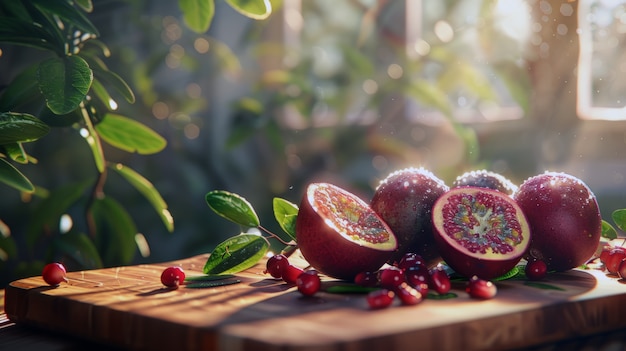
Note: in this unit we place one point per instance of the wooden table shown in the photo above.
(127, 307)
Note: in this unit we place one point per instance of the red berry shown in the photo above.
(308, 283)
(366, 279)
(604, 254)
(614, 258)
(173, 276)
(439, 280)
(536, 270)
(408, 295)
(380, 298)
(276, 265)
(291, 273)
(390, 277)
(480, 288)
(54, 274)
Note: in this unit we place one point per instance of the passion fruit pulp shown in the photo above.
(339, 234)
(404, 200)
(480, 232)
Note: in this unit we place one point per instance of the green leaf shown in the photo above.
(116, 82)
(68, 13)
(14, 178)
(102, 94)
(286, 214)
(86, 5)
(349, 289)
(64, 82)
(79, 247)
(20, 128)
(232, 207)
(608, 231)
(16, 152)
(148, 190)
(8, 248)
(236, 254)
(208, 277)
(619, 217)
(446, 296)
(255, 9)
(213, 284)
(115, 231)
(91, 136)
(510, 274)
(197, 14)
(47, 215)
(22, 90)
(20, 32)
(129, 135)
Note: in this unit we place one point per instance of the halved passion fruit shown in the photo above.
(339, 234)
(480, 232)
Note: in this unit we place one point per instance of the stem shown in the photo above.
(272, 235)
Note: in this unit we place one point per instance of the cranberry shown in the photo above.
(439, 280)
(391, 277)
(380, 298)
(54, 274)
(614, 258)
(536, 270)
(408, 295)
(308, 282)
(366, 279)
(173, 276)
(291, 273)
(276, 265)
(480, 288)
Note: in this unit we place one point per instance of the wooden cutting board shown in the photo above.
(128, 307)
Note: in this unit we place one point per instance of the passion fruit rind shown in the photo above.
(339, 234)
(404, 200)
(486, 179)
(564, 217)
(480, 231)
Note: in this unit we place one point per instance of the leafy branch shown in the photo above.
(243, 251)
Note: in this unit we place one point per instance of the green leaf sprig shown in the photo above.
(619, 217)
(244, 250)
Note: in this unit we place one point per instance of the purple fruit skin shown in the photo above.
(564, 219)
(404, 200)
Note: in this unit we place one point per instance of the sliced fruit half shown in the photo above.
(339, 234)
(480, 232)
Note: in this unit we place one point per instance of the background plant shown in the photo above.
(65, 84)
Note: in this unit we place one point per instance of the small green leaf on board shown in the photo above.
(286, 213)
(619, 217)
(232, 207)
(211, 284)
(208, 277)
(349, 289)
(608, 231)
(236, 254)
(435, 296)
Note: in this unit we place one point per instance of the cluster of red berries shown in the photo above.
(614, 260)
(308, 282)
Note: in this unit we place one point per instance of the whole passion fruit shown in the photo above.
(486, 179)
(564, 219)
(404, 200)
(480, 232)
(339, 234)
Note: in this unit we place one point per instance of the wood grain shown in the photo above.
(128, 307)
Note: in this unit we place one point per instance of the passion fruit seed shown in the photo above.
(480, 289)
(439, 280)
(621, 271)
(308, 283)
(379, 299)
(614, 259)
(173, 276)
(291, 274)
(367, 279)
(276, 265)
(390, 277)
(408, 295)
(536, 270)
(54, 273)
